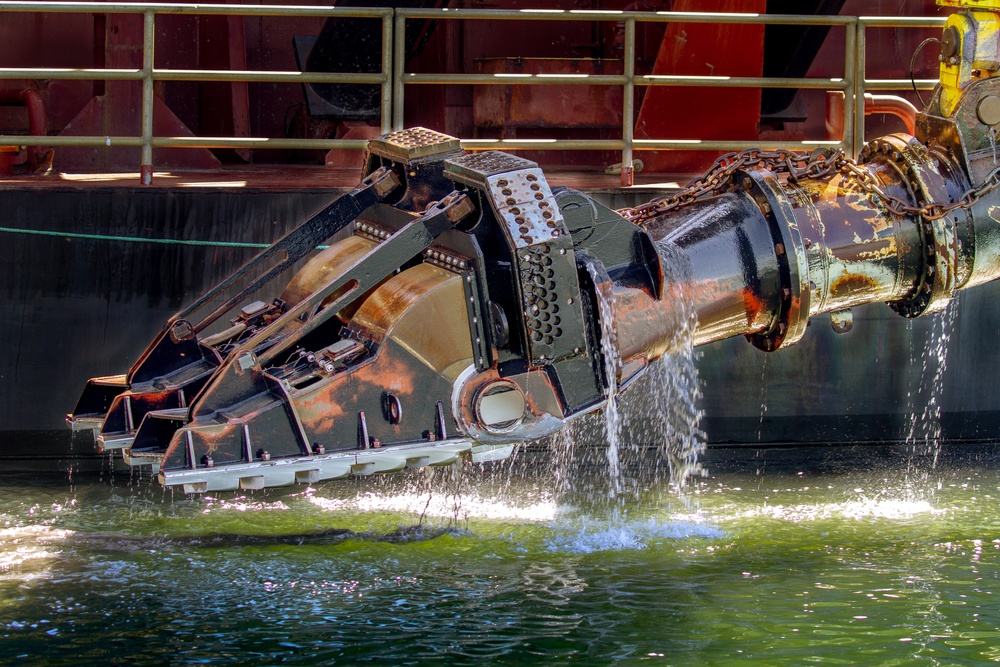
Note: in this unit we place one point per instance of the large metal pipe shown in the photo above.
(765, 255)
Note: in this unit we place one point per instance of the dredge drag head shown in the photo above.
(453, 319)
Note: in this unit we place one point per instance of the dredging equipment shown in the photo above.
(463, 306)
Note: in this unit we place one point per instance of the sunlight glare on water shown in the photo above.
(776, 557)
(850, 559)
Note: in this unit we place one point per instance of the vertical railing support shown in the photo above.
(850, 56)
(387, 65)
(628, 102)
(399, 65)
(149, 33)
(859, 89)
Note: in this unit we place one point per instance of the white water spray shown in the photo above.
(924, 432)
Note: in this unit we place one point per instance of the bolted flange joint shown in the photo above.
(791, 316)
(930, 178)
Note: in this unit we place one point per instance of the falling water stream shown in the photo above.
(924, 429)
(612, 366)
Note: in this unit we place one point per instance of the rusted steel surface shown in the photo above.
(507, 108)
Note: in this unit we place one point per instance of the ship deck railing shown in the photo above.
(394, 79)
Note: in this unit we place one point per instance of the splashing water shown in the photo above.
(924, 432)
(649, 433)
(588, 536)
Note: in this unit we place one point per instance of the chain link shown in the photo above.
(796, 165)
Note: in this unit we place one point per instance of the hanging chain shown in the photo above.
(795, 165)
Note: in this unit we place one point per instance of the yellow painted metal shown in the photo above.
(971, 51)
(971, 4)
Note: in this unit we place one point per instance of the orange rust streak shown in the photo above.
(850, 284)
(753, 304)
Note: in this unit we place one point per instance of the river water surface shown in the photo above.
(840, 557)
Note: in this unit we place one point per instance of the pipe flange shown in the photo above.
(793, 309)
(940, 258)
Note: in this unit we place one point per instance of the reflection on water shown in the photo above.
(841, 557)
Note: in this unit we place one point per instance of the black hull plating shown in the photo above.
(76, 306)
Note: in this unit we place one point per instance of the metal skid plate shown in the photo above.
(317, 468)
(413, 143)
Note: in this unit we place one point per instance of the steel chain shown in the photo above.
(798, 165)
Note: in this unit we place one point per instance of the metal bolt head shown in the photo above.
(988, 110)
(951, 41)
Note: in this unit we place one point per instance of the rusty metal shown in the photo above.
(894, 105)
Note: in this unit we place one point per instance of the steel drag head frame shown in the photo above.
(472, 307)
(453, 322)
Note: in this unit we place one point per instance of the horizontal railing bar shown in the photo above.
(614, 15)
(543, 144)
(258, 142)
(60, 140)
(92, 74)
(473, 14)
(742, 82)
(68, 73)
(519, 79)
(193, 8)
(902, 21)
(375, 79)
(361, 144)
(267, 76)
(899, 84)
(716, 145)
(183, 142)
(638, 144)
(505, 79)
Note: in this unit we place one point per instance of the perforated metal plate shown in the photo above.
(416, 142)
(475, 168)
(526, 206)
(543, 251)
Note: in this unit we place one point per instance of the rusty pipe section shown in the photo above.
(894, 105)
(764, 257)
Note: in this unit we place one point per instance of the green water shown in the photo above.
(825, 557)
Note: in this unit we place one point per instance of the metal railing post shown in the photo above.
(149, 33)
(388, 82)
(399, 65)
(628, 127)
(850, 38)
(859, 90)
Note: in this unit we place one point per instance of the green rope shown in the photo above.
(140, 239)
